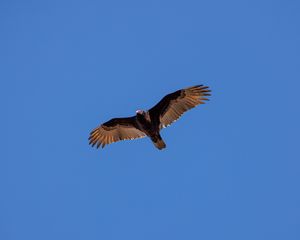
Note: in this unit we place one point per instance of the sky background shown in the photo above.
(231, 169)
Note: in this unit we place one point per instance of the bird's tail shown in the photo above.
(158, 142)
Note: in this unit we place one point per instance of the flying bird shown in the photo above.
(149, 123)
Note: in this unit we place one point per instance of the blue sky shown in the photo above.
(231, 169)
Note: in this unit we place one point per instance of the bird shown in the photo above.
(149, 123)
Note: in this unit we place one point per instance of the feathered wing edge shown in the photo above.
(114, 130)
(173, 105)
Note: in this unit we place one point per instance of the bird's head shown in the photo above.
(141, 112)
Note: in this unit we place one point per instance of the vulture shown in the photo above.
(149, 123)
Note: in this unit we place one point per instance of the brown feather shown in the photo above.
(113, 131)
(187, 99)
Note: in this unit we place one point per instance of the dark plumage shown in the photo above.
(149, 123)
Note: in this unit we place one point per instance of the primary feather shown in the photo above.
(173, 105)
(114, 130)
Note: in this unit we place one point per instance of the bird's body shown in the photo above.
(149, 123)
(150, 128)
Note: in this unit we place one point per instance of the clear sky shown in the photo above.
(231, 169)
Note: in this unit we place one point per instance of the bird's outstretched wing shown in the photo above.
(114, 130)
(173, 105)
